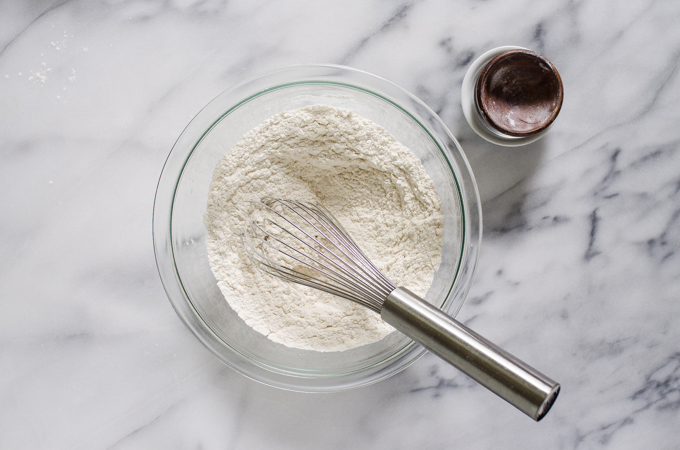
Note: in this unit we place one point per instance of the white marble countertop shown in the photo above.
(579, 271)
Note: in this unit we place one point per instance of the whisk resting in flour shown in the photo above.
(303, 243)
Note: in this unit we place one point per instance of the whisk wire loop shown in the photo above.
(346, 244)
(311, 237)
(340, 286)
(295, 276)
(338, 231)
(344, 272)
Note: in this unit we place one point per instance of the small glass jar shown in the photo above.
(511, 96)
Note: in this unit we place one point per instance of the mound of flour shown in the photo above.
(376, 188)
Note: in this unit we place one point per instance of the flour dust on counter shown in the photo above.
(376, 187)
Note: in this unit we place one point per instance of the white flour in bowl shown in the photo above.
(377, 188)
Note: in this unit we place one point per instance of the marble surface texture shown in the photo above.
(579, 270)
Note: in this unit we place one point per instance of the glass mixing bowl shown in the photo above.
(180, 236)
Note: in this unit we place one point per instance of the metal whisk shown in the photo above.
(303, 243)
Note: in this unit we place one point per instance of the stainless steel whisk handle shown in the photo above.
(519, 384)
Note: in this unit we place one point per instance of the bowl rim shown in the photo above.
(171, 175)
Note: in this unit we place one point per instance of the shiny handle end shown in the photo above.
(513, 380)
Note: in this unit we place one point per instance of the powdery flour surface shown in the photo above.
(376, 187)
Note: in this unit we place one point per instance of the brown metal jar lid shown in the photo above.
(519, 93)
